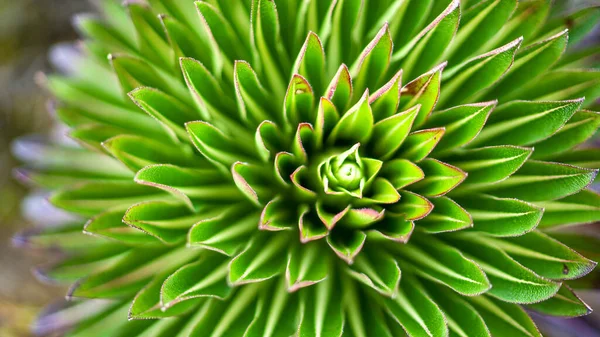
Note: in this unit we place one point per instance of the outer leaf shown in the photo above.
(347, 245)
(225, 233)
(578, 129)
(340, 90)
(276, 314)
(110, 225)
(205, 278)
(413, 206)
(424, 90)
(441, 263)
(511, 282)
(426, 49)
(530, 63)
(463, 318)
(501, 217)
(490, 164)
(262, 259)
(466, 79)
(418, 314)
(311, 62)
(321, 310)
(545, 256)
(306, 265)
(373, 62)
(579, 208)
(542, 181)
(524, 122)
(378, 270)
(146, 304)
(564, 304)
(461, 123)
(501, 317)
(564, 84)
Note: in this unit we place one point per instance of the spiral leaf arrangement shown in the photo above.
(320, 168)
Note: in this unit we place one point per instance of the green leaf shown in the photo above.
(389, 133)
(478, 24)
(504, 318)
(169, 112)
(564, 304)
(299, 101)
(110, 225)
(386, 99)
(564, 84)
(393, 227)
(213, 144)
(224, 38)
(204, 278)
(365, 316)
(92, 198)
(580, 208)
(544, 256)
(346, 244)
(586, 158)
(525, 21)
(210, 98)
(377, 269)
(137, 152)
(276, 216)
(356, 125)
(401, 173)
(412, 205)
(309, 225)
(529, 64)
(185, 44)
(146, 304)
(262, 259)
(340, 90)
(276, 314)
(151, 38)
(501, 217)
(327, 118)
(447, 216)
(526, 122)
(225, 233)
(249, 180)
(465, 80)
(311, 62)
(415, 311)
(579, 22)
(462, 123)
(578, 129)
(424, 90)
(427, 48)
(419, 144)
(189, 185)
(511, 282)
(463, 318)
(92, 135)
(166, 221)
(307, 264)
(439, 262)
(541, 181)
(251, 96)
(131, 272)
(268, 49)
(372, 64)
(491, 164)
(440, 178)
(321, 311)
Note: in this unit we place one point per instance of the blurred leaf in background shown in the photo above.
(28, 29)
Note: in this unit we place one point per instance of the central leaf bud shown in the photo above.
(343, 173)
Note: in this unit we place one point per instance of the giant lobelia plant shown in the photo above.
(321, 168)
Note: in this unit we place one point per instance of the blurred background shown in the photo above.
(28, 30)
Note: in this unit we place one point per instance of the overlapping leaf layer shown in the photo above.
(321, 168)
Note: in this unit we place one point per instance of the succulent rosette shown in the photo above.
(321, 168)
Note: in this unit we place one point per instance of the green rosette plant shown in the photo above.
(321, 168)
